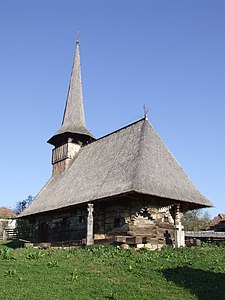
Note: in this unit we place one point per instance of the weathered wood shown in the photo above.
(90, 240)
(204, 234)
(178, 228)
(62, 156)
(143, 220)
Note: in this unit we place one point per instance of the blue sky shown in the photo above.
(167, 54)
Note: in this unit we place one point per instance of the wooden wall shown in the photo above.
(133, 218)
(62, 226)
(119, 219)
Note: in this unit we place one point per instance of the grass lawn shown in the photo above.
(111, 273)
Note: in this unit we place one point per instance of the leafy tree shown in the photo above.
(21, 205)
(196, 220)
(24, 228)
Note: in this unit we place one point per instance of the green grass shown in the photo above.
(111, 273)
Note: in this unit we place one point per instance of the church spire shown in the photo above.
(74, 110)
(73, 123)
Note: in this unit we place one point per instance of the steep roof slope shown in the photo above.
(160, 174)
(133, 158)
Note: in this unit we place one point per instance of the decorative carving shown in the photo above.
(90, 210)
(146, 213)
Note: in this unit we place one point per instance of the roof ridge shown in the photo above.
(122, 128)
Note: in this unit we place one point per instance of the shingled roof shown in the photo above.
(6, 213)
(132, 159)
(73, 118)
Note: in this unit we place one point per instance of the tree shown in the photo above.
(21, 205)
(24, 229)
(196, 220)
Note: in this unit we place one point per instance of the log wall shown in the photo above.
(118, 220)
(148, 221)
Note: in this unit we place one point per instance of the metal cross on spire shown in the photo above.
(78, 37)
(145, 111)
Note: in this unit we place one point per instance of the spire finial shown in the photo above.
(145, 111)
(78, 37)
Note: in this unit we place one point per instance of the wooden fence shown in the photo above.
(205, 236)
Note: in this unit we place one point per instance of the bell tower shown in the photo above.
(73, 133)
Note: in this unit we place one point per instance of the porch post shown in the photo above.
(178, 228)
(90, 223)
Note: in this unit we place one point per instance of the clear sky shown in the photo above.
(168, 54)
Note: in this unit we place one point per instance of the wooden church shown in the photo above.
(125, 187)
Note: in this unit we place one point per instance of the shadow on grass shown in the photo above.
(14, 244)
(203, 284)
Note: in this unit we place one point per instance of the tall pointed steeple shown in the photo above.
(73, 133)
(73, 118)
(73, 124)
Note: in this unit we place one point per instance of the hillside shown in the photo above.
(111, 273)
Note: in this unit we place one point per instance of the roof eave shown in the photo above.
(76, 136)
(189, 205)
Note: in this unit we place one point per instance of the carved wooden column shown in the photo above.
(178, 228)
(90, 224)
